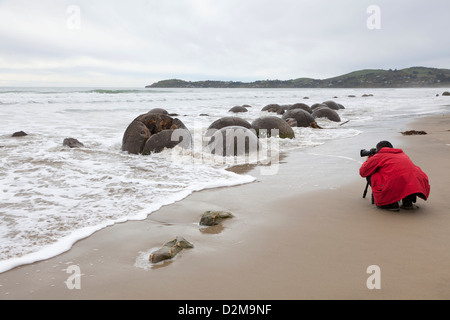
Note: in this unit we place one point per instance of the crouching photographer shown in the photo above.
(393, 177)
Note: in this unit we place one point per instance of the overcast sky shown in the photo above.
(134, 43)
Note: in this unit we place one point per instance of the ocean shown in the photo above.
(52, 196)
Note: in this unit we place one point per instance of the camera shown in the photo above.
(367, 153)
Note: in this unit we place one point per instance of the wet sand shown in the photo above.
(283, 243)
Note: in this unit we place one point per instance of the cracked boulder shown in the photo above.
(153, 132)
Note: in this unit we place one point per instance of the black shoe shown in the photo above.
(412, 207)
(409, 207)
(391, 207)
(407, 202)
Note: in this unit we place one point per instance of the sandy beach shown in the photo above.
(283, 242)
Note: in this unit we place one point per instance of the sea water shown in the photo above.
(51, 195)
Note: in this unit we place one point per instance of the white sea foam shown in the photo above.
(51, 196)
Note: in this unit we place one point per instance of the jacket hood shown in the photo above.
(390, 150)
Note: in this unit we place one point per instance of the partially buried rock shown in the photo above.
(159, 111)
(413, 132)
(170, 249)
(19, 134)
(326, 113)
(446, 93)
(332, 105)
(234, 141)
(212, 218)
(238, 109)
(301, 106)
(273, 107)
(266, 126)
(304, 118)
(72, 143)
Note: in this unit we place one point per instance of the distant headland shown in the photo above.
(369, 78)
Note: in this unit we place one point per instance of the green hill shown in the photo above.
(370, 78)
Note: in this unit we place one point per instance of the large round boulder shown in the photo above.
(276, 108)
(332, 105)
(234, 141)
(318, 105)
(143, 127)
(264, 127)
(304, 118)
(229, 121)
(302, 106)
(326, 113)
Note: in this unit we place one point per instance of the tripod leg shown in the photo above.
(365, 190)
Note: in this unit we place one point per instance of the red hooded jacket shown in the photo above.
(394, 176)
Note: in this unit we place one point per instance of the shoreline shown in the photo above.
(283, 243)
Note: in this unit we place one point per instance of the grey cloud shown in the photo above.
(231, 39)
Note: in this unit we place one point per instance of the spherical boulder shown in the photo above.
(229, 121)
(326, 113)
(238, 109)
(317, 105)
(304, 118)
(276, 108)
(143, 127)
(332, 105)
(233, 141)
(266, 126)
(302, 106)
